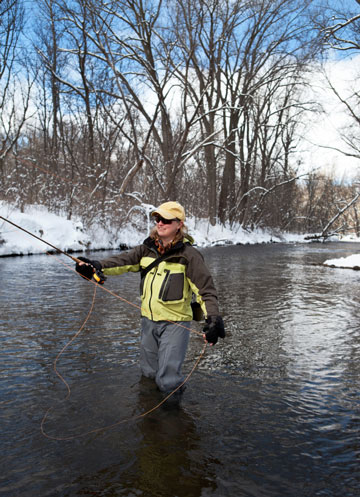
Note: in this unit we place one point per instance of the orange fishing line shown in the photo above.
(117, 423)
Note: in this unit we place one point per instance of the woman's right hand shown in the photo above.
(86, 267)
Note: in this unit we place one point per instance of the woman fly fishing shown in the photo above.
(172, 273)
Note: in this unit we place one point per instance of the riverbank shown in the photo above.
(71, 235)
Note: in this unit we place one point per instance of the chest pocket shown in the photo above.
(172, 287)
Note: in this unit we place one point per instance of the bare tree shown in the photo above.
(132, 42)
(48, 38)
(332, 214)
(15, 80)
(341, 31)
(239, 58)
(204, 30)
(196, 100)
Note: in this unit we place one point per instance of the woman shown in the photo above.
(172, 270)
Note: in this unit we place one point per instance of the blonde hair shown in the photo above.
(180, 235)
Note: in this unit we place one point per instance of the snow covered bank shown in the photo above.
(70, 236)
(66, 235)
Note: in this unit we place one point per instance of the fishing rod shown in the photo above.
(98, 275)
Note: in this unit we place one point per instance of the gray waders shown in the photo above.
(162, 352)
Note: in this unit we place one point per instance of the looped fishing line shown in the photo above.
(30, 163)
(127, 420)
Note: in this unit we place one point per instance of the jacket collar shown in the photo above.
(150, 243)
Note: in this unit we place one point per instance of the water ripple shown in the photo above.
(271, 410)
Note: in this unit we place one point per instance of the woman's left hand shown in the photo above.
(213, 329)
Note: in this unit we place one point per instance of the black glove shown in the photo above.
(214, 329)
(87, 270)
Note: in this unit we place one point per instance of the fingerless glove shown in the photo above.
(213, 329)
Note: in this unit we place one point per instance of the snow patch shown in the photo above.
(353, 261)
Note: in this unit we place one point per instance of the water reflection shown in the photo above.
(164, 461)
(161, 454)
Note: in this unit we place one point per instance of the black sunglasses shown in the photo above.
(164, 221)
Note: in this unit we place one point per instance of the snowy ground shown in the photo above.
(71, 236)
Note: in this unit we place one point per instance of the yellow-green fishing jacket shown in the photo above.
(167, 289)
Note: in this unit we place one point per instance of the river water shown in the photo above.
(273, 410)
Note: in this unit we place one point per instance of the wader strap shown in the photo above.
(156, 262)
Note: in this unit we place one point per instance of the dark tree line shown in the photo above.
(106, 104)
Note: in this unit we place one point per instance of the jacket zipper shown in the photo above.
(151, 287)
(151, 292)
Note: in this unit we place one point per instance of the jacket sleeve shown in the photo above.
(202, 284)
(124, 262)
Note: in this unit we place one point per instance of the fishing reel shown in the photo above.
(99, 276)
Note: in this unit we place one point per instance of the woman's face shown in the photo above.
(167, 232)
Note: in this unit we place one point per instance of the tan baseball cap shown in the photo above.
(170, 210)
